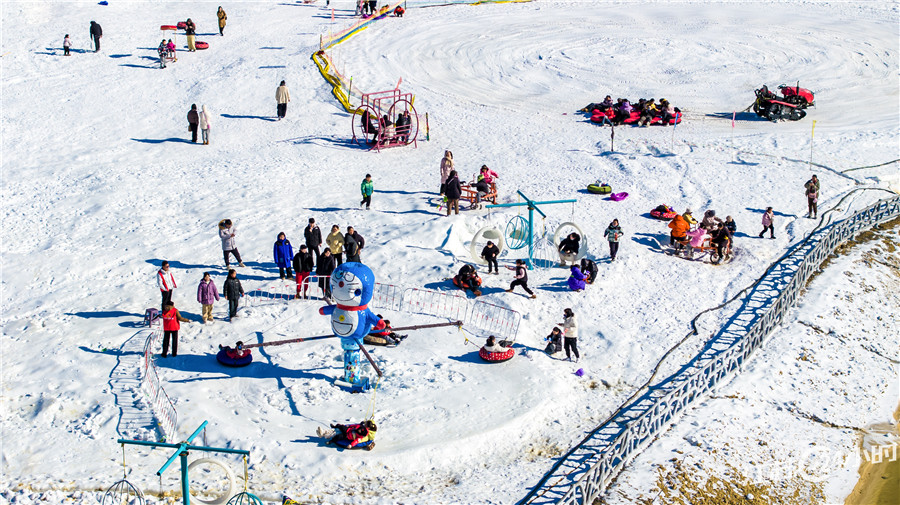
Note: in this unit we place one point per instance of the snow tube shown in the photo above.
(182, 25)
(167, 27)
(226, 360)
(600, 189)
(376, 340)
(618, 197)
(633, 118)
(496, 357)
(346, 445)
(675, 120)
(201, 45)
(663, 214)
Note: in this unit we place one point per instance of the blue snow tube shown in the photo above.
(226, 360)
(346, 445)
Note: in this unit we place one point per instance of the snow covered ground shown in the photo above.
(100, 185)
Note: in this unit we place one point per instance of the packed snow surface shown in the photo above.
(101, 183)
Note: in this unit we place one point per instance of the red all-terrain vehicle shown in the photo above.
(789, 106)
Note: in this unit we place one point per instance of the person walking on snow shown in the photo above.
(812, 196)
(166, 283)
(768, 222)
(190, 29)
(521, 278)
(226, 233)
(207, 294)
(335, 242)
(222, 17)
(233, 291)
(313, 237)
(446, 168)
(67, 43)
(282, 97)
(96, 33)
(284, 255)
(303, 265)
(613, 233)
(163, 51)
(366, 188)
(570, 332)
(453, 190)
(205, 124)
(171, 324)
(193, 118)
(490, 253)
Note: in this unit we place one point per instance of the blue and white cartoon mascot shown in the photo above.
(352, 285)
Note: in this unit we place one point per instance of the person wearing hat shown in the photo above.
(171, 324)
(490, 253)
(207, 294)
(570, 332)
(689, 217)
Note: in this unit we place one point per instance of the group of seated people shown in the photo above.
(623, 111)
(384, 132)
(689, 235)
(483, 187)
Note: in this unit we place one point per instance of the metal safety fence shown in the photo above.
(584, 474)
(160, 403)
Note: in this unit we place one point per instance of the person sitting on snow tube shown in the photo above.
(237, 356)
(649, 112)
(554, 341)
(385, 336)
(589, 269)
(468, 278)
(623, 111)
(667, 112)
(494, 351)
(576, 279)
(663, 212)
(349, 436)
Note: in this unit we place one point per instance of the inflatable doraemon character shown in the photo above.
(352, 285)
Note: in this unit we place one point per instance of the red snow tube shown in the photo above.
(167, 27)
(658, 214)
(496, 357)
(201, 45)
(633, 118)
(182, 25)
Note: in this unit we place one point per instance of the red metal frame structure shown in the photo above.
(370, 127)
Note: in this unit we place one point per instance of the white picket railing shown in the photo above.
(162, 406)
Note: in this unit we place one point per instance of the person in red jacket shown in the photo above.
(171, 324)
(360, 435)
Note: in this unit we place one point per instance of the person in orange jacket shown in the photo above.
(171, 324)
(680, 226)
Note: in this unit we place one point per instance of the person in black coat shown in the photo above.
(233, 291)
(303, 264)
(96, 33)
(589, 269)
(721, 238)
(323, 272)
(351, 246)
(568, 248)
(193, 121)
(361, 242)
(453, 191)
(490, 253)
(313, 236)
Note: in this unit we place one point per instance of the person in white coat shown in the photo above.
(205, 123)
(165, 281)
(570, 331)
(282, 97)
(226, 233)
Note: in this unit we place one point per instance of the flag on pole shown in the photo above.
(813, 134)
(733, 114)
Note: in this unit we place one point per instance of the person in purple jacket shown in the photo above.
(623, 112)
(207, 294)
(284, 254)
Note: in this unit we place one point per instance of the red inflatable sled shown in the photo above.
(664, 212)
(636, 116)
(496, 357)
(201, 45)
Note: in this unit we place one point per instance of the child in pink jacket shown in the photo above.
(768, 222)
